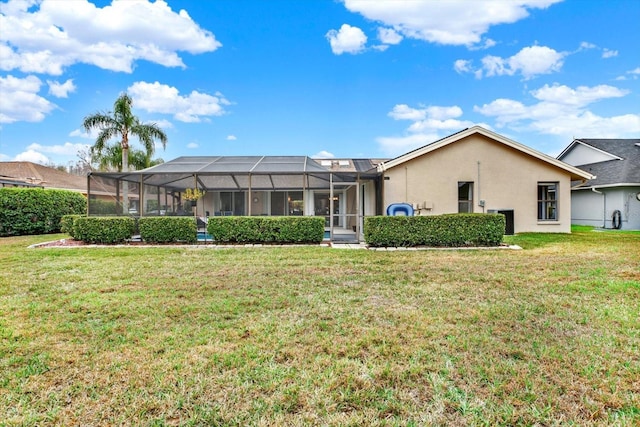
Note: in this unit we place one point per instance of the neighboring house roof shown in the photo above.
(35, 174)
(576, 173)
(619, 165)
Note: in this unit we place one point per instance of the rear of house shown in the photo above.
(477, 170)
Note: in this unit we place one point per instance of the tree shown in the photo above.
(111, 159)
(122, 124)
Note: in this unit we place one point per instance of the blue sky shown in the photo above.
(324, 78)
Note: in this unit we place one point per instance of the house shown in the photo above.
(474, 170)
(34, 175)
(612, 198)
(27, 174)
(477, 170)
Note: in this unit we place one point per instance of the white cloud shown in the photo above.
(579, 97)
(346, 40)
(562, 111)
(389, 36)
(61, 90)
(429, 124)
(323, 155)
(462, 66)
(231, 138)
(445, 22)
(587, 45)
(192, 145)
(608, 53)
(81, 133)
(47, 36)
(529, 62)
(32, 156)
(67, 149)
(160, 98)
(488, 43)
(404, 112)
(162, 124)
(20, 100)
(633, 73)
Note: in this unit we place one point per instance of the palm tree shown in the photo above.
(111, 159)
(122, 124)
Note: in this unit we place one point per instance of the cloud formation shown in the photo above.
(33, 157)
(61, 90)
(48, 36)
(429, 124)
(445, 22)
(347, 39)
(160, 98)
(20, 100)
(562, 111)
(529, 62)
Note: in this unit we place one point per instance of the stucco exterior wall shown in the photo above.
(503, 177)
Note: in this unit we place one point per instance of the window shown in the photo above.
(232, 203)
(465, 197)
(547, 201)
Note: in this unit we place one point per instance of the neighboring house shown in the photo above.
(474, 170)
(612, 198)
(477, 170)
(27, 174)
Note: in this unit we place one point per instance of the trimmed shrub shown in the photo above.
(93, 229)
(454, 230)
(66, 224)
(168, 229)
(36, 210)
(259, 229)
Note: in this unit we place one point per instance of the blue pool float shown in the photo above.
(397, 209)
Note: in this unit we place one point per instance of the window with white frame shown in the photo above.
(547, 201)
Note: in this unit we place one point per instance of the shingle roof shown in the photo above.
(34, 173)
(612, 172)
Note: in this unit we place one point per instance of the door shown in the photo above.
(322, 204)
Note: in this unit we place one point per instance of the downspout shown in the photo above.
(406, 184)
(604, 209)
(480, 201)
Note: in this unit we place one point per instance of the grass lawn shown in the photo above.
(549, 335)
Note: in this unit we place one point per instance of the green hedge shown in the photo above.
(66, 224)
(453, 230)
(258, 229)
(168, 229)
(103, 207)
(93, 229)
(36, 210)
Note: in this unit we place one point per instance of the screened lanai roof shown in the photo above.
(244, 172)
